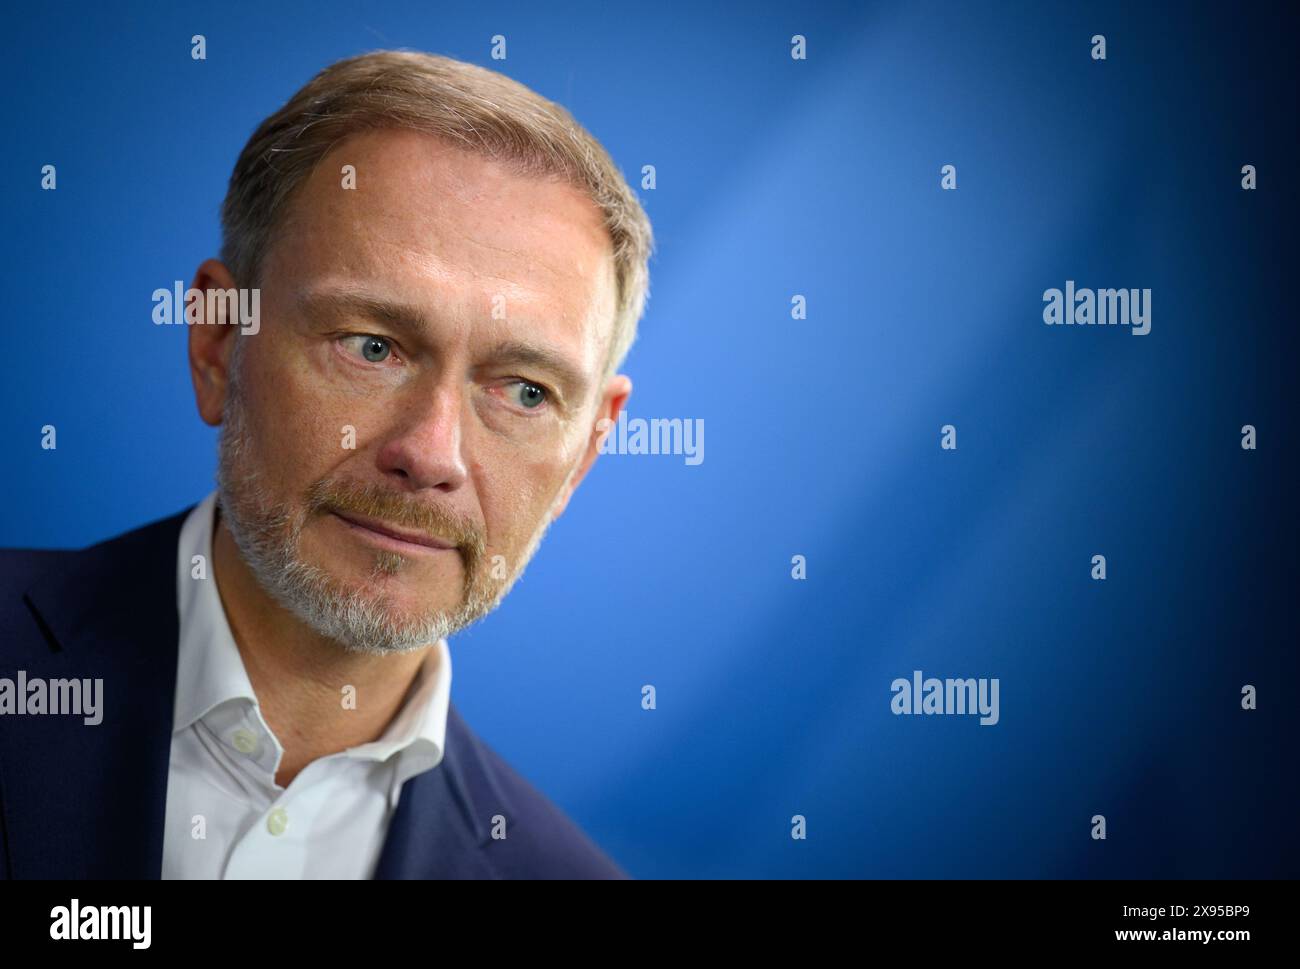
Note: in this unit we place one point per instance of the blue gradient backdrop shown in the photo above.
(778, 177)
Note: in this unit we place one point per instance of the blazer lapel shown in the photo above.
(436, 833)
(88, 800)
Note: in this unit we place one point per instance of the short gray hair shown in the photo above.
(474, 108)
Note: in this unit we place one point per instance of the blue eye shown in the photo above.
(374, 348)
(531, 396)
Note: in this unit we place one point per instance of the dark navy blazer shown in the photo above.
(88, 801)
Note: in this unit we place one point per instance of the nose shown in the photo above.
(423, 448)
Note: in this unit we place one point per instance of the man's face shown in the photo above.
(429, 362)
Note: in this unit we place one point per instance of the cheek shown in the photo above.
(299, 424)
(515, 494)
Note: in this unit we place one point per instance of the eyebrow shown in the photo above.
(409, 319)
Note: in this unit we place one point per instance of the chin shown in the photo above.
(409, 576)
(405, 591)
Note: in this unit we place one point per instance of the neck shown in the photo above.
(299, 676)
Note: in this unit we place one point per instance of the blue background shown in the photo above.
(821, 178)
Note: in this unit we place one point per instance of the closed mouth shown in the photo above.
(392, 532)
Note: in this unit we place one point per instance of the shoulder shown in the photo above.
(541, 841)
(20, 566)
(40, 586)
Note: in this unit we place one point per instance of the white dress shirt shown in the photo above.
(330, 822)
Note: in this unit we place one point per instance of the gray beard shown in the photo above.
(268, 534)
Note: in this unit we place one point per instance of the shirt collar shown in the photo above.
(210, 672)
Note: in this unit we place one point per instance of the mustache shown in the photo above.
(374, 502)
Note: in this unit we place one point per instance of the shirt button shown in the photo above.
(245, 741)
(277, 821)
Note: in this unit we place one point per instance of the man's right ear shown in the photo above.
(211, 345)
